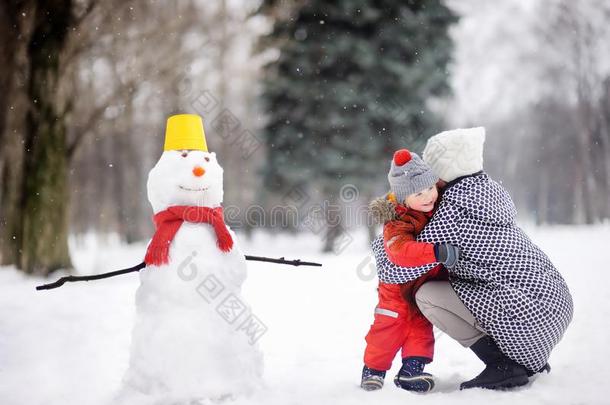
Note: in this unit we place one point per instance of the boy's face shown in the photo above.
(423, 201)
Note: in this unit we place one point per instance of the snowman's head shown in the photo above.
(185, 177)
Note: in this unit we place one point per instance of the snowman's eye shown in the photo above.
(184, 154)
(207, 159)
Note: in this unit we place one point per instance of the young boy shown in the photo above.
(398, 322)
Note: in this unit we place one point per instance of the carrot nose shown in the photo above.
(198, 171)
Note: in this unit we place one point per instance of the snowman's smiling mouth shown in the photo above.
(193, 189)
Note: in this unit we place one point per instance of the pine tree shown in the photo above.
(350, 85)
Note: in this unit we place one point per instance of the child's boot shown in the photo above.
(372, 379)
(411, 376)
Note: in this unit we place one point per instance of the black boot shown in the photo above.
(500, 371)
(546, 367)
(372, 379)
(411, 376)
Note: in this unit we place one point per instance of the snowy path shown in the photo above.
(70, 346)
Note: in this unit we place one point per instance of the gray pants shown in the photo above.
(440, 304)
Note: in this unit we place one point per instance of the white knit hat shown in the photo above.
(455, 153)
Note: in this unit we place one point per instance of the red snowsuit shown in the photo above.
(398, 322)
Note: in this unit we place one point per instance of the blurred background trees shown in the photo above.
(539, 82)
(86, 89)
(350, 85)
(296, 95)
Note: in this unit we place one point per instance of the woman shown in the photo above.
(504, 299)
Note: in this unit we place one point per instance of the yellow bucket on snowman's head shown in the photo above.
(185, 131)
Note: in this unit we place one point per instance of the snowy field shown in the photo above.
(71, 345)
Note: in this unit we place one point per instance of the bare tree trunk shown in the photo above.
(585, 79)
(334, 221)
(225, 152)
(127, 178)
(543, 192)
(585, 145)
(43, 234)
(15, 26)
(605, 141)
(586, 172)
(579, 215)
(10, 212)
(9, 34)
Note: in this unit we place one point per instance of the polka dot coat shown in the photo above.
(510, 286)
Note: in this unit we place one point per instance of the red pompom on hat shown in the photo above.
(409, 174)
(401, 157)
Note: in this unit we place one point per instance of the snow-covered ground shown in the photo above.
(71, 345)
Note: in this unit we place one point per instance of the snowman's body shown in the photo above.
(189, 339)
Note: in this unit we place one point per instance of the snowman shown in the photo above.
(190, 340)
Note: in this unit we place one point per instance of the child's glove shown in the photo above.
(447, 254)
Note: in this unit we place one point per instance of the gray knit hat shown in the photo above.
(409, 175)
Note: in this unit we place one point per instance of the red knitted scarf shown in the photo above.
(169, 221)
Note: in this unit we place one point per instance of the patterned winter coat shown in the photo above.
(510, 286)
